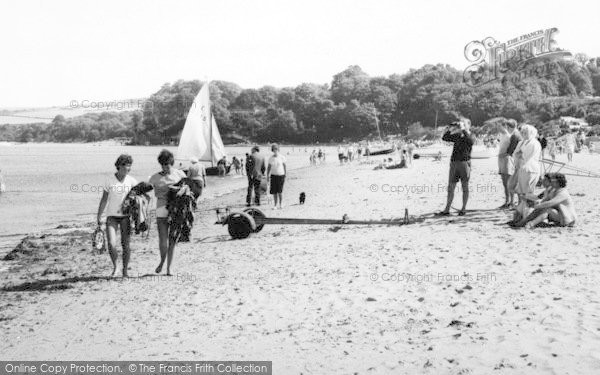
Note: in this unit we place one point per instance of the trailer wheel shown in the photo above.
(240, 225)
(256, 213)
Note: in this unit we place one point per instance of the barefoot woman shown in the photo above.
(116, 189)
(161, 182)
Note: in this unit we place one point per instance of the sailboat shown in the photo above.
(384, 151)
(200, 137)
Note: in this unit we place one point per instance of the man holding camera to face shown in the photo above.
(459, 133)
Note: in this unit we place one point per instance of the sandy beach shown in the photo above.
(450, 295)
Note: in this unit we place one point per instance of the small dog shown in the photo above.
(302, 197)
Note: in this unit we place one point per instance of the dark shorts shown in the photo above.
(459, 171)
(277, 184)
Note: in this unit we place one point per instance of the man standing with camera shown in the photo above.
(459, 133)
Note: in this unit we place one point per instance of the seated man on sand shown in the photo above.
(557, 207)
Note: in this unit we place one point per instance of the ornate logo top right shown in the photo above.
(534, 54)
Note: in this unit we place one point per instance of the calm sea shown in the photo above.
(50, 184)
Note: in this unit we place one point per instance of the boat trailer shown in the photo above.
(252, 220)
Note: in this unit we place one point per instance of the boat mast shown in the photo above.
(212, 164)
(377, 124)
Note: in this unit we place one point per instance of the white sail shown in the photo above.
(218, 149)
(200, 137)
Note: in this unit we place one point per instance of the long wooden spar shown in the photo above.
(299, 221)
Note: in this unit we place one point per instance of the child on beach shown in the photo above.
(115, 191)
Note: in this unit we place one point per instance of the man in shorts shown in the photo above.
(459, 133)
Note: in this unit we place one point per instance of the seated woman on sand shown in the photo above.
(530, 200)
(558, 208)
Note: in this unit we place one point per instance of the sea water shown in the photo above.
(49, 184)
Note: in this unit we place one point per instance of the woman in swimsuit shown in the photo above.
(161, 182)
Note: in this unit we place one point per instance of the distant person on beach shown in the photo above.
(580, 140)
(276, 172)
(515, 140)
(506, 166)
(161, 182)
(552, 149)
(116, 189)
(410, 148)
(256, 168)
(236, 165)
(459, 133)
(197, 173)
(544, 143)
(341, 155)
(350, 153)
(222, 166)
(570, 145)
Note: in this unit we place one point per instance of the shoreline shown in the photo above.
(10, 239)
(76, 225)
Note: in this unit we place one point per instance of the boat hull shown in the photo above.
(214, 171)
(381, 152)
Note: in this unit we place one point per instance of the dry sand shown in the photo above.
(457, 295)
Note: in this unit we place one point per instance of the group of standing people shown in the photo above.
(519, 165)
(264, 172)
(317, 157)
(351, 152)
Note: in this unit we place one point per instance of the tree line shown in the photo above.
(354, 106)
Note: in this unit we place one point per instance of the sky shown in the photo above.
(56, 52)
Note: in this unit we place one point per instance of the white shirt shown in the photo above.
(276, 163)
(117, 191)
(532, 150)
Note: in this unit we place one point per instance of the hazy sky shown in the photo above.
(57, 51)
